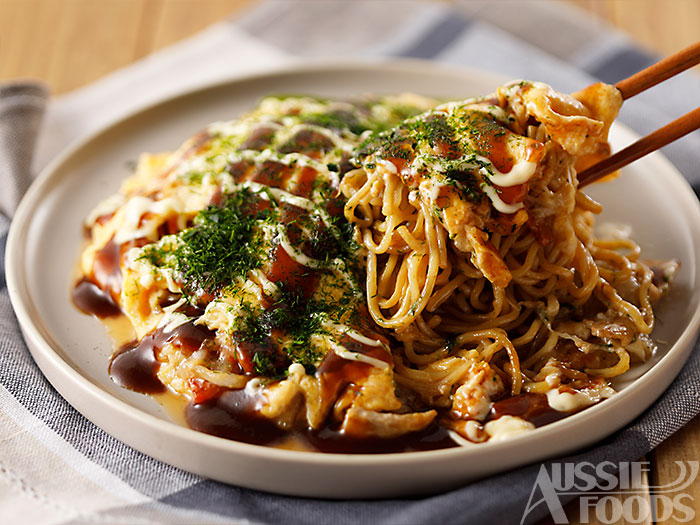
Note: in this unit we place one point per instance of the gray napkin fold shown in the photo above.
(158, 493)
(22, 106)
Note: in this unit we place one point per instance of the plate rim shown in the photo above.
(15, 256)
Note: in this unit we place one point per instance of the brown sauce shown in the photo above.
(273, 174)
(106, 268)
(309, 142)
(491, 140)
(305, 181)
(329, 440)
(259, 139)
(286, 270)
(241, 170)
(197, 144)
(531, 407)
(233, 415)
(336, 373)
(246, 352)
(91, 299)
(135, 365)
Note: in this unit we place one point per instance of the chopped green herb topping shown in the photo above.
(288, 325)
(337, 120)
(223, 244)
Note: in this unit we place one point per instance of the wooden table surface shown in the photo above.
(69, 43)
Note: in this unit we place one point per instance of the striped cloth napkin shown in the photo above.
(57, 467)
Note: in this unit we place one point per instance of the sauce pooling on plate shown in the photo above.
(91, 299)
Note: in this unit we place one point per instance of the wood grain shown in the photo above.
(67, 43)
(70, 43)
(683, 446)
(660, 26)
(180, 18)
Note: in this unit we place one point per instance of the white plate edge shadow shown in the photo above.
(99, 406)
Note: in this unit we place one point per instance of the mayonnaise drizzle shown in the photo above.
(288, 159)
(460, 440)
(344, 353)
(109, 205)
(506, 427)
(136, 207)
(521, 172)
(354, 334)
(295, 254)
(501, 206)
(569, 401)
(303, 259)
(172, 319)
(264, 192)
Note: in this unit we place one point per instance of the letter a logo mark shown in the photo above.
(549, 496)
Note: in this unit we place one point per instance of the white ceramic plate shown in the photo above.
(72, 349)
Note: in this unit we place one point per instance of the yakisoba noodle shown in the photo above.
(380, 275)
(533, 300)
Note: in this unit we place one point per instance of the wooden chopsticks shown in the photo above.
(635, 84)
(662, 70)
(658, 139)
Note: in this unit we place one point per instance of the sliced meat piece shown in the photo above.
(363, 423)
